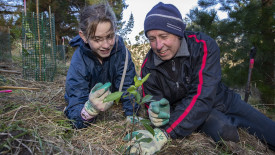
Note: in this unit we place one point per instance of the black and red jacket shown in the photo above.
(192, 85)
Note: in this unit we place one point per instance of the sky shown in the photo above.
(140, 8)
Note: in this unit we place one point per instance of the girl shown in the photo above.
(98, 59)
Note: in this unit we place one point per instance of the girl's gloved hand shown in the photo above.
(95, 103)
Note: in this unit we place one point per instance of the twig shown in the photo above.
(14, 115)
(13, 87)
(5, 114)
(10, 71)
(56, 94)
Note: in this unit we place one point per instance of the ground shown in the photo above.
(33, 122)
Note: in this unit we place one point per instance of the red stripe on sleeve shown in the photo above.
(194, 99)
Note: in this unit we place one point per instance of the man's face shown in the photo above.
(164, 44)
(103, 41)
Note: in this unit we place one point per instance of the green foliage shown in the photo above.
(113, 97)
(204, 21)
(127, 29)
(133, 90)
(66, 13)
(249, 23)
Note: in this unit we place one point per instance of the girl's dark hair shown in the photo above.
(91, 16)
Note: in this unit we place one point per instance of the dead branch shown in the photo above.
(13, 87)
(10, 71)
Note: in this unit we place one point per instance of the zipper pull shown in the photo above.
(177, 85)
(173, 66)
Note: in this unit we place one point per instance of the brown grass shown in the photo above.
(32, 122)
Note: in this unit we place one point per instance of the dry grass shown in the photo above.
(32, 122)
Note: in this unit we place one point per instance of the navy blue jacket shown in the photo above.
(194, 89)
(85, 71)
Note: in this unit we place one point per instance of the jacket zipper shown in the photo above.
(173, 66)
(166, 74)
(174, 69)
(177, 83)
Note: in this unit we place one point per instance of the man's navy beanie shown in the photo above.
(164, 17)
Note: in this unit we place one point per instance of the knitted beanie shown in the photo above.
(164, 17)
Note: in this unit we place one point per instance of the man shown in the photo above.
(185, 81)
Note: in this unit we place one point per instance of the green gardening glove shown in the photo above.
(159, 112)
(134, 120)
(146, 144)
(95, 103)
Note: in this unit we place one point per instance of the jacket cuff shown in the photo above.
(85, 115)
(165, 133)
(171, 135)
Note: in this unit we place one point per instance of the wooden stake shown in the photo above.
(13, 87)
(10, 71)
(38, 31)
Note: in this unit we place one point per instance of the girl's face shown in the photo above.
(103, 40)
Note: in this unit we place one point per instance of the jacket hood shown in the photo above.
(76, 41)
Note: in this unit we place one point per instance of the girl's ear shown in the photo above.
(82, 36)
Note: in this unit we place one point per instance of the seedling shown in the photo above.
(133, 90)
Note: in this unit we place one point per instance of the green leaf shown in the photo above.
(138, 97)
(138, 83)
(117, 100)
(146, 98)
(131, 88)
(139, 135)
(145, 78)
(113, 96)
(135, 79)
(149, 128)
(146, 140)
(128, 137)
(145, 121)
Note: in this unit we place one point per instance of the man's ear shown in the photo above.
(82, 36)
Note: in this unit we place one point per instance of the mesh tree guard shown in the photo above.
(61, 59)
(38, 47)
(5, 45)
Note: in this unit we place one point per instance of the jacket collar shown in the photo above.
(77, 41)
(183, 51)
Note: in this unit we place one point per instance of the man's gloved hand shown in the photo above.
(159, 112)
(95, 103)
(145, 148)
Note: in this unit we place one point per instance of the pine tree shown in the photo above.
(127, 29)
(249, 23)
(67, 11)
